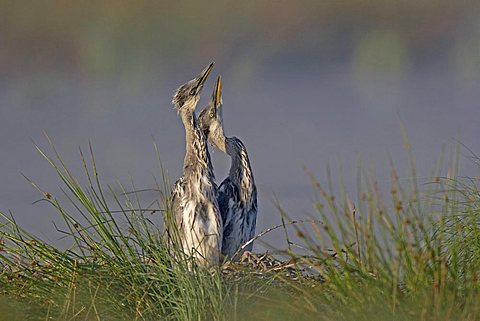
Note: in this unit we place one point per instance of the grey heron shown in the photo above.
(237, 194)
(194, 195)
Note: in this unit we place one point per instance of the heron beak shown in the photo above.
(203, 76)
(217, 94)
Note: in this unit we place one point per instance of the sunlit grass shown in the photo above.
(410, 256)
(407, 252)
(117, 264)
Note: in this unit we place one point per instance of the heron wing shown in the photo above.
(178, 193)
(252, 214)
(227, 196)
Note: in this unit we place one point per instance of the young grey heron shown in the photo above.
(237, 195)
(195, 206)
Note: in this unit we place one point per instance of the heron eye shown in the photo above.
(211, 115)
(192, 91)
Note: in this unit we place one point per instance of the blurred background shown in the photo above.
(306, 83)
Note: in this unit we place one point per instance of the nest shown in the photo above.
(263, 266)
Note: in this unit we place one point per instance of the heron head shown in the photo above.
(186, 97)
(210, 118)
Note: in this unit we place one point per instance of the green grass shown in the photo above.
(412, 253)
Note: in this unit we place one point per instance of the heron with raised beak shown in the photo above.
(194, 195)
(237, 194)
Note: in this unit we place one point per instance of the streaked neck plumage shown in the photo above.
(240, 170)
(197, 154)
(240, 166)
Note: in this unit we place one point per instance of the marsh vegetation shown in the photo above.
(410, 252)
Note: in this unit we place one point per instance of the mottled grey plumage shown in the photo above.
(237, 195)
(194, 195)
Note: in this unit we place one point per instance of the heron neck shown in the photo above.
(240, 169)
(197, 154)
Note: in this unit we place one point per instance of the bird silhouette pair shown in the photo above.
(211, 222)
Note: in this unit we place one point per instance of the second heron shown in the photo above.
(237, 195)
